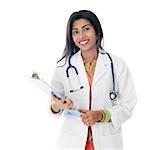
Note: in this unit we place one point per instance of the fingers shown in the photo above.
(54, 97)
(87, 121)
(67, 103)
(83, 111)
(88, 118)
(65, 99)
(85, 117)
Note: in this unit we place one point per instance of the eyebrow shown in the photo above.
(82, 26)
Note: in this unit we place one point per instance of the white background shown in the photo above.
(32, 37)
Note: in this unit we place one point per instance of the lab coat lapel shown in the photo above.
(80, 66)
(100, 69)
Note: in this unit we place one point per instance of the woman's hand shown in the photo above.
(65, 103)
(90, 117)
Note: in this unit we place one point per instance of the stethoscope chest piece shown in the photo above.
(113, 95)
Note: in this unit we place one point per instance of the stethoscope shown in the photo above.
(76, 71)
(113, 94)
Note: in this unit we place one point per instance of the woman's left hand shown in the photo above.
(90, 117)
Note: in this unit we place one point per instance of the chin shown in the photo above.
(85, 49)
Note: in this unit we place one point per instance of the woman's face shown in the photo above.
(84, 35)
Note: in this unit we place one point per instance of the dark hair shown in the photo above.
(70, 47)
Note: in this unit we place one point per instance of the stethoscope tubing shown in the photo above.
(112, 71)
(113, 93)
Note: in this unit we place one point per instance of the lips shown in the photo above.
(83, 42)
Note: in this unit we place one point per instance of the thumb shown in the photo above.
(83, 110)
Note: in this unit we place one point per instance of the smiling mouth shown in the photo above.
(83, 42)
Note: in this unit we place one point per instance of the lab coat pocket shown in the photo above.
(109, 137)
(72, 125)
(68, 141)
(111, 141)
(107, 129)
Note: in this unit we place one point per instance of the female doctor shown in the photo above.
(96, 83)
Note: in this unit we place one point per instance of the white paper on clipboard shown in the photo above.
(44, 86)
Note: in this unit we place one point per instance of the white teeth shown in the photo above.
(84, 42)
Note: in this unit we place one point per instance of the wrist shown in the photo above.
(104, 116)
(54, 112)
(100, 116)
(55, 108)
(107, 116)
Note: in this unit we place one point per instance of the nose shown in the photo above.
(81, 35)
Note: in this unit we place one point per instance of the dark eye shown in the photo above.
(86, 29)
(74, 32)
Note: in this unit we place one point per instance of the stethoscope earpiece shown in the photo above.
(71, 91)
(81, 87)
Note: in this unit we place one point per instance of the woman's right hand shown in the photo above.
(65, 103)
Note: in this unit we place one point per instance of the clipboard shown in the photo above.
(46, 88)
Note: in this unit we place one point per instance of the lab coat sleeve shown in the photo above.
(57, 84)
(127, 97)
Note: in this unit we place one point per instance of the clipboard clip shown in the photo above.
(35, 75)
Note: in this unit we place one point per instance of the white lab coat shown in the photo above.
(106, 136)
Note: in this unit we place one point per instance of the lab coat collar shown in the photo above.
(100, 70)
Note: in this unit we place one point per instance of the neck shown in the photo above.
(89, 56)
